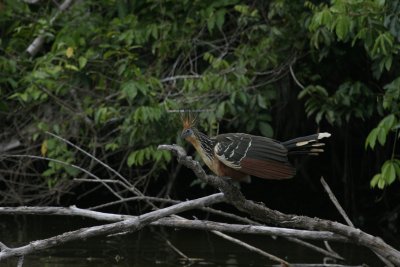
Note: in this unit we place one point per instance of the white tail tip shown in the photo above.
(323, 135)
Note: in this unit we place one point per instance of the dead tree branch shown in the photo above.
(335, 202)
(267, 215)
(178, 223)
(131, 225)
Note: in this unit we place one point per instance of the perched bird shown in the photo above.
(238, 155)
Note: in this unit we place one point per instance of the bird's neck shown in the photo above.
(204, 145)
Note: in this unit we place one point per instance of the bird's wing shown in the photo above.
(254, 155)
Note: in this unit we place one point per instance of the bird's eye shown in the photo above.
(187, 133)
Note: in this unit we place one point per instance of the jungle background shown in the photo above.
(109, 73)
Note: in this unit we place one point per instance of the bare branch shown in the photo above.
(180, 77)
(31, 1)
(252, 248)
(336, 202)
(345, 217)
(295, 78)
(178, 223)
(263, 213)
(122, 178)
(8, 145)
(66, 164)
(132, 224)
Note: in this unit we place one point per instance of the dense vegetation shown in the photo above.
(110, 70)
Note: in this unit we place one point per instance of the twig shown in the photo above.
(31, 1)
(252, 248)
(331, 254)
(123, 179)
(336, 202)
(65, 164)
(146, 198)
(180, 253)
(295, 78)
(9, 145)
(180, 77)
(188, 110)
(20, 261)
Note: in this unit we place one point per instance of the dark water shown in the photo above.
(149, 247)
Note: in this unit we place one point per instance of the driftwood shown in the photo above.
(306, 228)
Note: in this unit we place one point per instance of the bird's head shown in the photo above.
(187, 133)
(188, 121)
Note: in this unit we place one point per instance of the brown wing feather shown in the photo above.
(267, 169)
(254, 155)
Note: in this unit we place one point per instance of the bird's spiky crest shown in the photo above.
(188, 119)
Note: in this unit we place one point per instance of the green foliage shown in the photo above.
(108, 73)
(350, 100)
(372, 26)
(56, 149)
(389, 171)
(381, 132)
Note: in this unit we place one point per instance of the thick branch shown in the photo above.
(263, 213)
(133, 224)
(178, 223)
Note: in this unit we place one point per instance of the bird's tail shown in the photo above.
(306, 145)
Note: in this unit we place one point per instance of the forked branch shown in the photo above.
(267, 215)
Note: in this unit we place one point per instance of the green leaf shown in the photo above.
(211, 23)
(220, 18)
(111, 146)
(382, 136)
(396, 164)
(371, 139)
(131, 159)
(388, 122)
(342, 27)
(48, 172)
(326, 17)
(130, 90)
(82, 62)
(243, 9)
(72, 170)
(388, 62)
(261, 102)
(71, 67)
(266, 129)
(221, 110)
(381, 183)
(375, 180)
(389, 172)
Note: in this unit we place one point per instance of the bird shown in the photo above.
(241, 155)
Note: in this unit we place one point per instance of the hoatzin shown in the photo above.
(239, 155)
